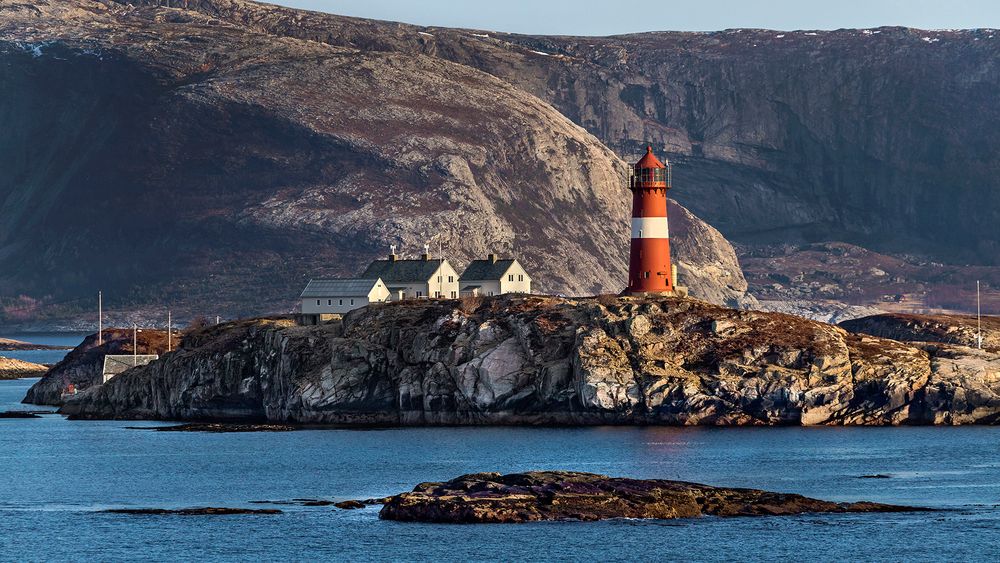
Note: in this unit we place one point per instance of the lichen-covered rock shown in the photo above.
(531, 359)
(481, 498)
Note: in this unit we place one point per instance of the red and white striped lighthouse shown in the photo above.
(649, 256)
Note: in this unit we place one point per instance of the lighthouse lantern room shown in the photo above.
(649, 270)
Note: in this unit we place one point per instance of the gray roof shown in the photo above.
(117, 363)
(486, 270)
(402, 271)
(348, 287)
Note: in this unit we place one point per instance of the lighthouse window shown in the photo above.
(645, 275)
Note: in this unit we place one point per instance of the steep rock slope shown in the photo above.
(530, 360)
(881, 137)
(166, 154)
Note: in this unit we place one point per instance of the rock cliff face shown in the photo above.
(880, 137)
(531, 360)
(186, 158)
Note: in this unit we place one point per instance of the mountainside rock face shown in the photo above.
(482, 498)
(184, 158)
(881, 137)
(531, 360)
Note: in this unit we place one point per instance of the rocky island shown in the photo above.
(11, 368)
(547, 360)
(482, 498)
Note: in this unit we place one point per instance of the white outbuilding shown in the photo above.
(494, 276)
(323, 299)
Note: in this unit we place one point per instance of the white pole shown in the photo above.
(100, 318)
(216, 319)
(441, 270)
(169, 332)
(979, 318)
(135, 345)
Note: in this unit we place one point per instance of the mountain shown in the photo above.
(170, 156)
(885, 139)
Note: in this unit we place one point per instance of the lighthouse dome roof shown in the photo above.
(649, 160)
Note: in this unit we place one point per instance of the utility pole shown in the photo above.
(135, 345)
(169, 332)
(440, 270)
(100, 318)
(979, 319)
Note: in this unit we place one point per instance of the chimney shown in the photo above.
(392, 253)
(427, 252)
(492, 258)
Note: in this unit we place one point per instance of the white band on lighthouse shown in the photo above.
(650, 227)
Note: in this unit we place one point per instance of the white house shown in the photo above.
(415, 279)
(494, 276)
(322, 299)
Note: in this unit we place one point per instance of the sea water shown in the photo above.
(47, 339)
(57, 475)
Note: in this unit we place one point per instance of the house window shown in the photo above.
(317, 301)
(329, 302)
(420, 294)
(451, 279)
(453, 295)
(341, 301)
(437, 295)
(491, 294)
(439, 279)
(510, 277)
(352, 302)
(520, 277)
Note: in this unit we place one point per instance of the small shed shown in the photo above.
(115, 364)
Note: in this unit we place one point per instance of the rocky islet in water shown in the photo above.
(558, 495)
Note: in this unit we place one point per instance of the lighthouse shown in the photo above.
(649, 256)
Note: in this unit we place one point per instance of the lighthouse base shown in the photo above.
(677, 291)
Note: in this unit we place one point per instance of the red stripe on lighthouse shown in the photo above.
(649, 254)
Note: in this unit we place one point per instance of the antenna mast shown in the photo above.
(100, 318)
(135, 345)
(979, 319)
(169, 332)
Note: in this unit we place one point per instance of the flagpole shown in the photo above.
(979, 319)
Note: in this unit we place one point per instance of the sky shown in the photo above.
(609, 17)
